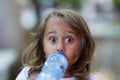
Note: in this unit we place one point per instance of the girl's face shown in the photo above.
(60, 37)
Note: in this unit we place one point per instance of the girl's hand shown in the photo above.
(33, 76)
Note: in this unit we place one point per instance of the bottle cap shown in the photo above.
(62, 53)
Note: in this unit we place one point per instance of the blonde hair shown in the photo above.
(34, 55)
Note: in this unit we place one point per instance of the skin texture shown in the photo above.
(59, 36)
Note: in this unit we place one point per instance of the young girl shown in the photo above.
(62, 30)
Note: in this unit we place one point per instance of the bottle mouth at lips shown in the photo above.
(54, 67)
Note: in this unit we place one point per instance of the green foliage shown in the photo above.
(116, 3)
(76, 4)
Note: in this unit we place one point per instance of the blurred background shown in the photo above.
(20, 17)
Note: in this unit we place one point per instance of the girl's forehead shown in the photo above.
(59, 25)
(56, 21)
(55, 18)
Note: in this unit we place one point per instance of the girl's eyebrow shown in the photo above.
(50, 32)
(71, 32)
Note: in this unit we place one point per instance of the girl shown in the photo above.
(62, 30)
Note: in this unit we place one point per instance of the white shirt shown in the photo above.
(24, 74)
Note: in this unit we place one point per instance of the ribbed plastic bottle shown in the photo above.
(54, 67)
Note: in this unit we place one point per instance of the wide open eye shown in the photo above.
(52, 40)
(68, 40)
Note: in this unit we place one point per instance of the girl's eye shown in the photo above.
(69, 40)
(52, 40)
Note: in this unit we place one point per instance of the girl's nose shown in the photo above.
(61, 46)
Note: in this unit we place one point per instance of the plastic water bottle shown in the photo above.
(54, 67)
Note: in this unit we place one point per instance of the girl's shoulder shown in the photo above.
(93, 77)
(23, 75)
